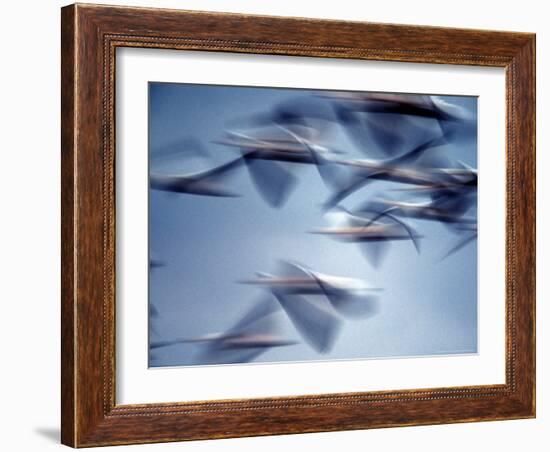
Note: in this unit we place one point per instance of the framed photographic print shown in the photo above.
(280, 225)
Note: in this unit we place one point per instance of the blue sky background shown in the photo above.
(427, 307)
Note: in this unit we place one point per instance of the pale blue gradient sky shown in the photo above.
(428, 306)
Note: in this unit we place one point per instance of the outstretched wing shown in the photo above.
(219, 172)
(347, 302)
(187, 183)
(375, 251)
(258, 320)
(316, 325)
(273, 182)
(261, 310)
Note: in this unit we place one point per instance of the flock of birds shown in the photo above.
(404, 138)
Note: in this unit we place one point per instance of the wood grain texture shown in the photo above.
(67, 226)
(90, 36)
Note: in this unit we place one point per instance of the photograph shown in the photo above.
(293, 225)
(270, 225)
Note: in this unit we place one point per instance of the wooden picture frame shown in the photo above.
(90, 36)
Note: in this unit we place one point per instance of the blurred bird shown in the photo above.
(383, 124)
(270, 155)
(272, 146)
(374, 233)
(317, 322)
(307, 113)
(420, 105)
(253, 335)
(446, 181)
(205, 183)
(447, 209)
(403, 169)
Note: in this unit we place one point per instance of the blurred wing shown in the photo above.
(378, 214)
(384, 131)
(153, 310)
(286, 268)
(460, 245)
(453, 202)
(353, 128)
(419, 151)
(317, 326)
(375, 251)
(354, 183)
(259, 311)
(168, 183)
(167, 343)
(182, 183)
(411, 105)
(410, 231)
(219, 172)
(273, 181)
(460, 132)
(304, 110)
(347, 303)
(354, 306)
(433, 159)
(334, 174)
(156, 263)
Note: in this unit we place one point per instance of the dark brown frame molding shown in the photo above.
(90, 35)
